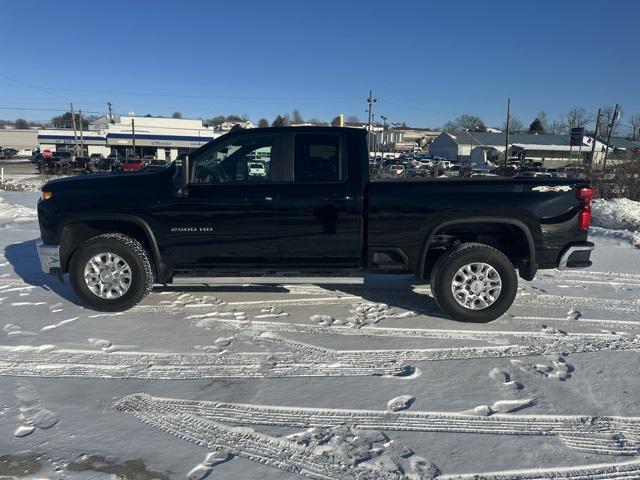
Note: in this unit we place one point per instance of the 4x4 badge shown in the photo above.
(552, 188)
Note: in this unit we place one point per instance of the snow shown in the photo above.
(620, 217)
(301, 381)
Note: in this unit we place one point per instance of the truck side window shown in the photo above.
(317, 158)
(246, 159)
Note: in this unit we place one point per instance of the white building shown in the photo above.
(550, 150)
(162, 138)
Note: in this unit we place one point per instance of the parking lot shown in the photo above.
(339, 382)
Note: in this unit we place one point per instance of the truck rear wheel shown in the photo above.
(111, 272)
(474, 283)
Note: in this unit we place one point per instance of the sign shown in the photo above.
(577, 134)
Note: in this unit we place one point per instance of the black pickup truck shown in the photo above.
(286, 205)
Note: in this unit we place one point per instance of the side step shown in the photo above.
(281, 280)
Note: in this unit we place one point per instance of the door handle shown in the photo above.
(339, 198)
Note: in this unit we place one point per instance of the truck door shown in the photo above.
(320, 210)
(228, 218)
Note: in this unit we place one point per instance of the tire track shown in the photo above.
(296, 359)
(211, 320)
(612, 435)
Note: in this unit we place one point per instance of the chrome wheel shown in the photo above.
(476, 286)
(107, 275)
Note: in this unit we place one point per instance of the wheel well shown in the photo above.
(508, 238)
(75, 234)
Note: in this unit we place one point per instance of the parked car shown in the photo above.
(8, 152)
(156, 164)
(132, 164)
(256, 170)
(316, 212)
(397, 170)
(82, 163)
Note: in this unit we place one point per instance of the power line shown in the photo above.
(147, 94)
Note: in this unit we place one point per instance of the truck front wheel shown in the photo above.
(111, 272)
(474, 283)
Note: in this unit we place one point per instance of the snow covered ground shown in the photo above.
(357, 382)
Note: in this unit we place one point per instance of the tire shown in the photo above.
(478, 310)
(139, 272)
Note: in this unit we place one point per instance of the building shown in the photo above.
(22, 140)
(453, 146)
(163, 138)
(550, 150)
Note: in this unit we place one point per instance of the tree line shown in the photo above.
(575, 117)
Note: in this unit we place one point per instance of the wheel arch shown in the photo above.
(527, 272)
(76, 230)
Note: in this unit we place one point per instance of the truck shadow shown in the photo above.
(24, 259)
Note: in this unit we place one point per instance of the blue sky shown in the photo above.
(427, 61)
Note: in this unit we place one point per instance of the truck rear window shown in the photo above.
(317, 158)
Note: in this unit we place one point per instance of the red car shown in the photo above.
(132, 164)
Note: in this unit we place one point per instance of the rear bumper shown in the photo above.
(49, 256)
(576, 255)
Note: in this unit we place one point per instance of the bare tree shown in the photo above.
(176, 115)
(281, 121)
(544, 120)
(217, 120)
(555, 127)
(471, 123)
(606, 118)
(353, 119)
(296, 117)
(515, 125)
(263, 123)
(634, 126)
(576, 117)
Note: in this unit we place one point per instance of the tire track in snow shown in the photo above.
(601, 471)
(296, 359)
(211, 320)
(611, 435)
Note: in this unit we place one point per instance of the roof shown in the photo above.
(621, 142)
(488, 138)
(464, 138)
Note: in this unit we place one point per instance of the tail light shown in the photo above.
(585, 194)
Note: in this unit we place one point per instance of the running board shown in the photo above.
(282, 280)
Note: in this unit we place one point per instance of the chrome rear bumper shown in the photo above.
(49, 256)
(565, 258)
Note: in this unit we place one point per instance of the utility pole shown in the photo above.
(110, 117)
(133, 136)
(595, 139)
(506, 141)
(385, 139)
(75, 135)
(611, 125)
(81, 136)
(370, 101)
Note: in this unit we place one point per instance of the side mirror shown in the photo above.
(181, 176)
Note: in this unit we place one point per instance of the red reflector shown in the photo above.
(585, 219)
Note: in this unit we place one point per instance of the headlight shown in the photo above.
(47, 195)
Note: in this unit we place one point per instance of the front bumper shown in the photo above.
(49, 257)
(576, 255)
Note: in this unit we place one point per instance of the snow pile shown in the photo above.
(24, 183)
(619, 214)
(11, 213)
